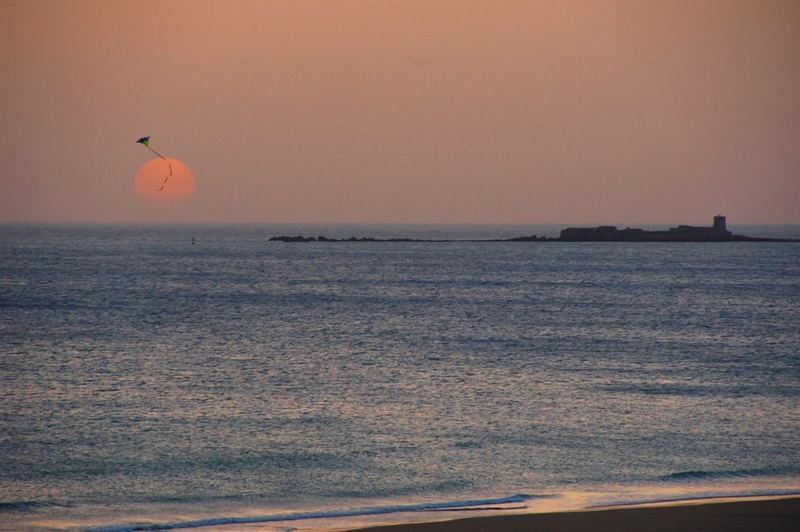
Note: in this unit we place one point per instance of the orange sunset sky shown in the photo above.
(404, 111)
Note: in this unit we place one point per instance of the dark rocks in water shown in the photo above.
(532, 238)
(297, 238)
(300, 238)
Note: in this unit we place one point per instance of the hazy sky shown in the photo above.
(404, 111)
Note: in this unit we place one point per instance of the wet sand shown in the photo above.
(775, 515)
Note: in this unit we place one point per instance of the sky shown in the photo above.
(578, 112)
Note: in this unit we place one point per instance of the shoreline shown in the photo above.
(744, 514)
(580, 511)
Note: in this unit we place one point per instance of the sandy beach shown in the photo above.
(775, 515)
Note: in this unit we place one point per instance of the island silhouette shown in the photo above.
(717, 232)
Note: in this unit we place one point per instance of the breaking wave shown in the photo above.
(729, 474)
(379, 510)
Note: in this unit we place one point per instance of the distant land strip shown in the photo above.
(531, 238)
(717, 232)
(300, 238)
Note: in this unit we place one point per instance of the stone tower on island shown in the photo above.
(719, 224)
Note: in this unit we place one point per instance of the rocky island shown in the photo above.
(717, 232)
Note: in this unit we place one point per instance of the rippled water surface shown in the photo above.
(140, 372)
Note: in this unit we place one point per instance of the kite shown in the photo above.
(146, 142)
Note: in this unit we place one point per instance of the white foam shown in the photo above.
(378, 510)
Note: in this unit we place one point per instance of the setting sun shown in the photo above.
(151, 176)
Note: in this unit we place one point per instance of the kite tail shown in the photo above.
(165, 179)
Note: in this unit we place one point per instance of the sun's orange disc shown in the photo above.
(154, 183)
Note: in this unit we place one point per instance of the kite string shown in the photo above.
(154, 151)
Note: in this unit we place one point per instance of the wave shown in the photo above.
(729, 474)
(27, 506)
(378, 510)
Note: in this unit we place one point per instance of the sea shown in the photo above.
(202, 376)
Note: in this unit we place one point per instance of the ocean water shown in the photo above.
(148, 380)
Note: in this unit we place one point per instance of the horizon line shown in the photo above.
(363, 223)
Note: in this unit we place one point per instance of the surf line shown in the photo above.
(378, 510)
